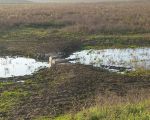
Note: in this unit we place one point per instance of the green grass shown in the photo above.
(117, 41)
(3, 84)
(140, 111)
(32, 31)
(24, 33)
(100, 41)
(8, 99)
(43, 118)
(139, 72)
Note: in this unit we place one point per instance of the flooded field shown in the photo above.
(115, 59)
(19, 66)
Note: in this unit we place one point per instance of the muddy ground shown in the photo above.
(69, 87)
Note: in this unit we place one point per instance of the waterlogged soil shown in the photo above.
(112, 59)
(115, 59)
(70, 87)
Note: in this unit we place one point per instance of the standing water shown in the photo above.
(115, 59)
(19, 66)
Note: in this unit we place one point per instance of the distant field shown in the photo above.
(14, 1)
(91, 18)
(57, 1)
(75, 1)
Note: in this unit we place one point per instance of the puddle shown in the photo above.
(115, 59)
(19, 66)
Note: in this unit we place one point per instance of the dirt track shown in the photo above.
(72, 87)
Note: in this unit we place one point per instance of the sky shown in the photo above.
(16, 1)
(74, 0)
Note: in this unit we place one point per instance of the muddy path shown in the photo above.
(70, 87)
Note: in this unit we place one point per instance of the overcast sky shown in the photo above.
(18, 1)
(75, 0)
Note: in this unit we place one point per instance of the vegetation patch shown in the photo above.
(139, 72)
(3, 84)
(130, 111)
(116, 41)
(9, 99)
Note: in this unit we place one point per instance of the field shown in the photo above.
(74, 91)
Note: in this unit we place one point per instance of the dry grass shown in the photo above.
(134, 106)
(118, 17)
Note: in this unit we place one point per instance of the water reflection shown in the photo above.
(19, 66)
(114, 59)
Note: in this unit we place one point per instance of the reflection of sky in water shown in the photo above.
(134, 58)
(19, 66)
